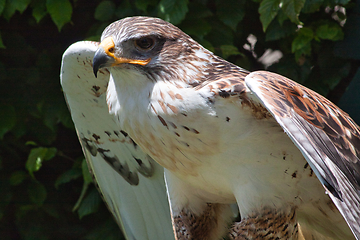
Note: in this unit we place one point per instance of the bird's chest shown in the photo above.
(178, 130)
(213, 145)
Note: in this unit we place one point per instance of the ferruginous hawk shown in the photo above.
(222, 134)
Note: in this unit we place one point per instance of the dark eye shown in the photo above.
(145, 43)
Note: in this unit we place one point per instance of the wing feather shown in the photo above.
(131, 183)
(327, 137)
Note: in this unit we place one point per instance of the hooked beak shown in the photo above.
(105, 57)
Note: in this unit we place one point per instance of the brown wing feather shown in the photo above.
(328, 138)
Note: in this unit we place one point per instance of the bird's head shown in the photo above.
(148, 45)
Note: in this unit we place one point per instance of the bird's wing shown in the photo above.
(327, 137)
(131, 183)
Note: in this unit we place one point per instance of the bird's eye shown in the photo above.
(145, 43)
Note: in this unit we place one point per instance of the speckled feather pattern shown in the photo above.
(334, 135)
(116, 163)
(167, 127)
(219, 132)
(267, 224)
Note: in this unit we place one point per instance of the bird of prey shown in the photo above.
(285, 155)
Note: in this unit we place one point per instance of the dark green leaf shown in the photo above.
(37, 192)
(109, 230)
(51, 210)
(123, 10)
(220, 34)
(2, 5)
(292, 9)
(25, 209)
(200, 16)
(341, 15)
(90, 204)
(288, 66)
(7, 119)
(21, 5)
(105, 11)
(39, 10)
(330, 31)
(2, 46)
(68, 176)
(86, 173)
(35, 159)
(199, 11)
(206, 44)
(228, 50)
(230, 12)
(30, 143)
(281, 17)
(17, 177)
(305, 35)
(43, 134)
(304, 50)
(66, 118)
(50, 153)
(37, 156)
(173, 11)
(338, 73)
(60, 11)
(268, 10)
(311, 6)
(275, 31)
(143, 4)
(340, 2)
(198, 30)
(9, 10)
(84, 189)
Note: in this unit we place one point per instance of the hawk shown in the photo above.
(222, 136)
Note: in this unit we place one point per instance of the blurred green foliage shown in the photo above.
(45, 188)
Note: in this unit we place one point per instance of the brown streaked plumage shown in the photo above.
(267, 224)
(218, 131)
(191, 226)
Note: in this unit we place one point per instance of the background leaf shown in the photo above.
(17, 177)
(330, 31)
(37, 192)
(21, 5)
(60, 11)
(90, 203)
(230, 12)
(68, 176)
(292, 9)
(37, 156)
(7, 120)
(228, 50)
(86, 173)
(104, 11)
(304, 36)
(173, 10)
(39, 10)
(268, 10)
(2, 5)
